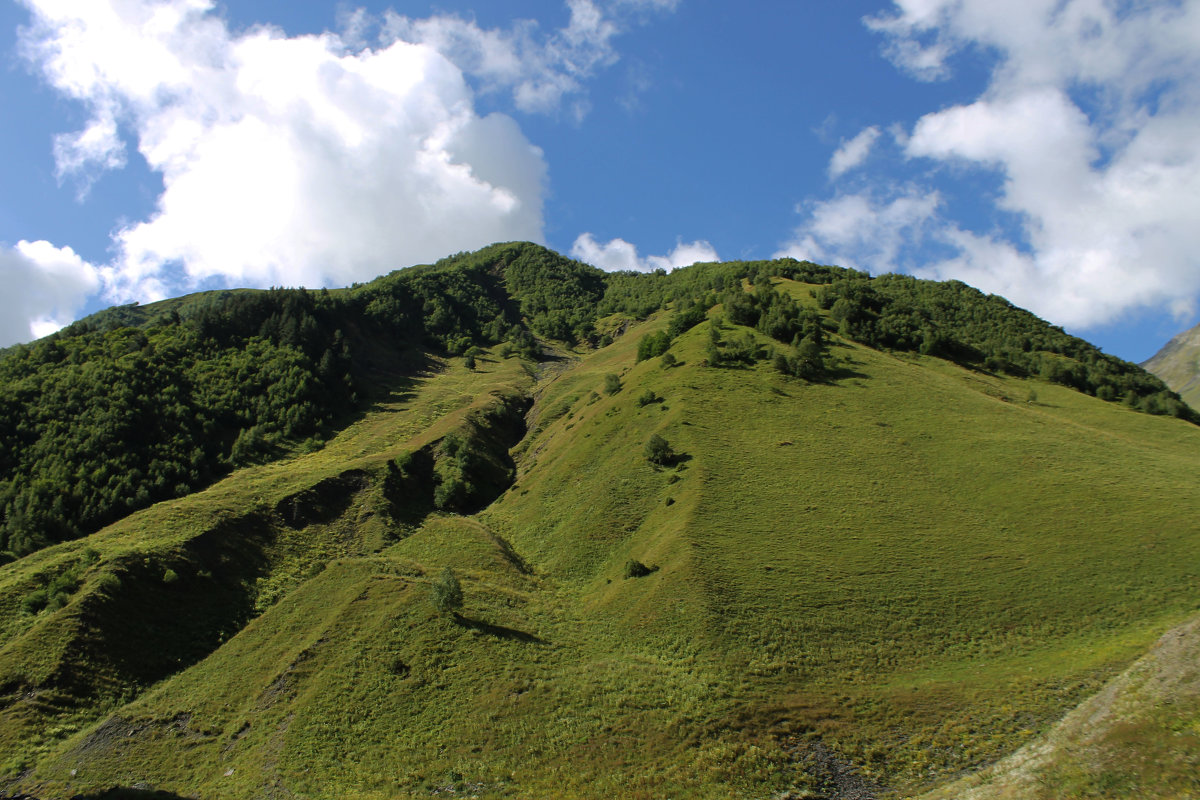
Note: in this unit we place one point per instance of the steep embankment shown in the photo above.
(1178, 364)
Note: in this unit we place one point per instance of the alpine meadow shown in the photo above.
(507, 525)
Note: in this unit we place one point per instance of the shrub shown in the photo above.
(612, 384)
(668, 360)
(170, 576)
(35, 601)
(647, 397)
(447, 593)
(658, 451)
(636, 569)
(686, 319)
(653, 344)
(108, 583)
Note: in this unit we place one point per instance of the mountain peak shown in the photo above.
(1178, 364)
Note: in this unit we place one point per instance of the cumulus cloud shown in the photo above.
(44, 288)
(618, 254)
(853, 153)
(864, 231)
(284, 160)
(1089, 118)
(539, 71)
(308, 160)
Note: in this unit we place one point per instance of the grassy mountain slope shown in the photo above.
(917, 543)
(164, 587)
(887, 577)
(1178, 364)
(1138, 737)
(911, 564)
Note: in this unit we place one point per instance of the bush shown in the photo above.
(653, 344)
(668, 360)
(685, 319)
(647, 397)
(447, 593)
(170, 576)
(612, 384)
(658, 451)
(108, 583)
(636, 569)
(35, 601)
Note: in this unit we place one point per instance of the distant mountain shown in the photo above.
(1178, 364)
(508, 526)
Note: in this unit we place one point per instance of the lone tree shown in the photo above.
(447, 594)
(658, 451)
(612, 383)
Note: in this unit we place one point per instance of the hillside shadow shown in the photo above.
(388, 388)
(548, 356)
(498, 631)
(842, 372)
(130, 793)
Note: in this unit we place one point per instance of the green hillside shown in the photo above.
(893, 533)
(1138, 737)
(1178, 364)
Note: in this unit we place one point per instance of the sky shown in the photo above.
(1042, 150)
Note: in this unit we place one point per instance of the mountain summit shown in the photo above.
(509, 526)
(1178, 364)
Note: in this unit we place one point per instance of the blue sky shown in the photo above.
(1044, 150)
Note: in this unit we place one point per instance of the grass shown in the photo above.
(1138, 737)
(909, 563)
(61, 669)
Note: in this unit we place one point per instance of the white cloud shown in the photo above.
(853, 153)
(45, 287)
(1089, 118)
(308, 160)
(864, 232)
(284, 160)
(89, 152)
(539, 72)
(618, 254)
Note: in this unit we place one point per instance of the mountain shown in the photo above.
(746, 529)
(1178, 364)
